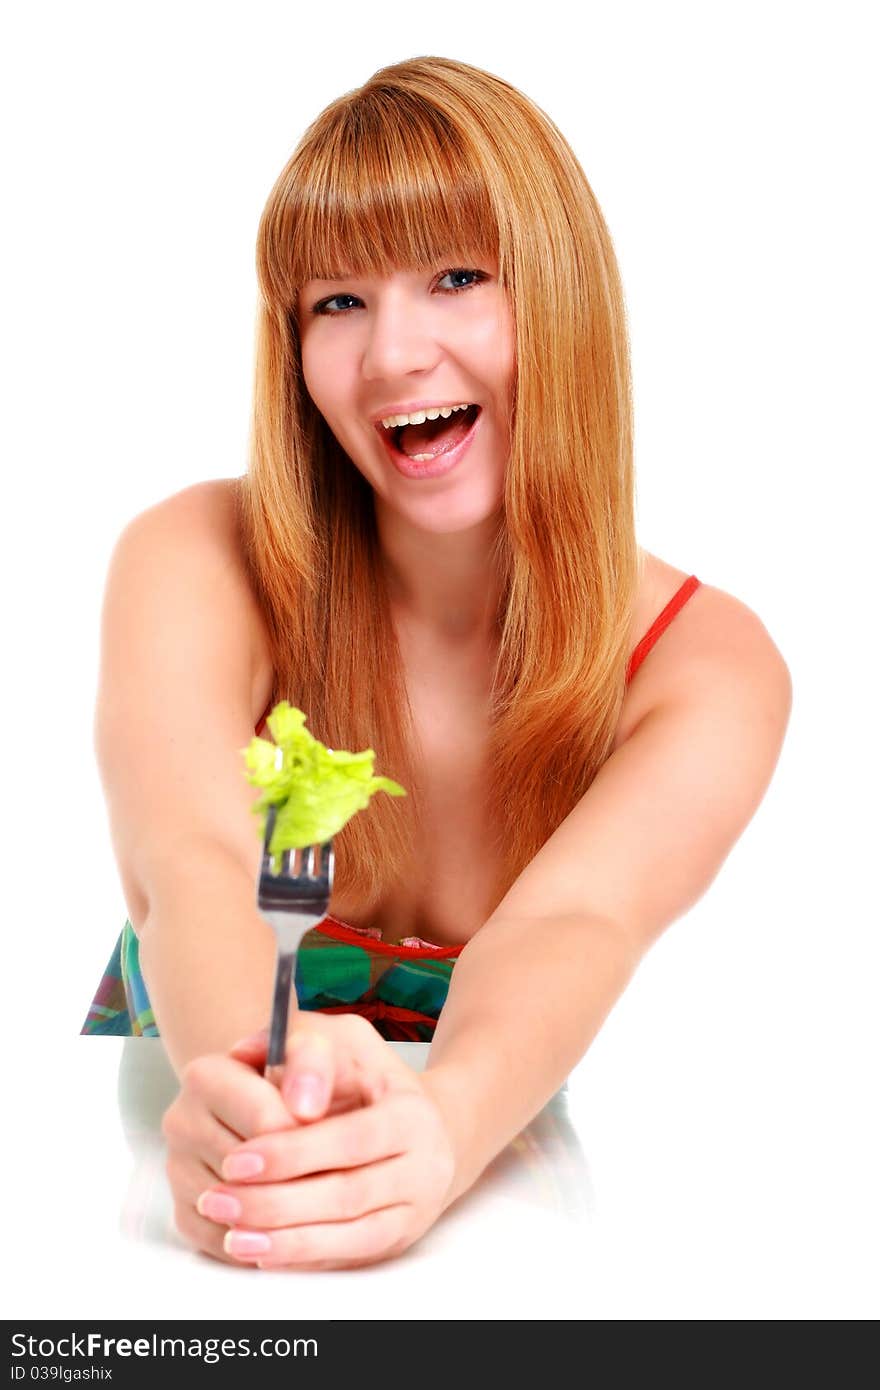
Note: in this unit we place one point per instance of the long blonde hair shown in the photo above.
(432, 156)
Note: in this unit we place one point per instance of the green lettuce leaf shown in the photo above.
(316, 789)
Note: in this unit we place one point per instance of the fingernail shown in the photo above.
(246, 1165)
(305, 1094)
(246, 1243)
(218, 1206)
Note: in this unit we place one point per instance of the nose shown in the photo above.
(400, 341)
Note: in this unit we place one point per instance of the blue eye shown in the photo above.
(323, 305)
(479, 276)
(346, 301)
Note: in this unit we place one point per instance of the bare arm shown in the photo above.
(207, 958)
(179, 689)
(531, 990)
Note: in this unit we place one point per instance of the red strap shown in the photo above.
(341, 931)
(403, 1023)
(661, 623)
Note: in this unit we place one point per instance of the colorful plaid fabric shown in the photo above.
(340, 969)
(108, 1012)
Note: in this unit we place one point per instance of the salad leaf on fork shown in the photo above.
(316, 789)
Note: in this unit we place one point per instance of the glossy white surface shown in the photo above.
(670, 1182)
(116, 1250)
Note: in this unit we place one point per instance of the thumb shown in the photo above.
(309, 1074)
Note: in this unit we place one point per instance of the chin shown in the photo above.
(443, 506)
(450, 515)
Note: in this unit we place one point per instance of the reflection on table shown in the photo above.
(543, 1169)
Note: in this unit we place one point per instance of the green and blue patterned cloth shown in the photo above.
(339, 969)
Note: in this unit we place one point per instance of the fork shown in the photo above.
(291, 903)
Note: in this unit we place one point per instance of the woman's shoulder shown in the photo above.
(201, 522)
(207, 510)
(196, 529)
(708, 631)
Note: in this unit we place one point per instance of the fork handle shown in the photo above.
(280, 1012)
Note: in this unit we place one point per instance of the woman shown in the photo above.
(433, 554)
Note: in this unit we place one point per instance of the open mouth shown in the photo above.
(427, 440)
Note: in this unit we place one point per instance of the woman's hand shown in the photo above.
(348, 1165)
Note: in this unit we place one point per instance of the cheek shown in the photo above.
(315, 376)
(325, 383)
(311, 380)
(495, 346)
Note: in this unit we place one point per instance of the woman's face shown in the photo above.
(375, 348)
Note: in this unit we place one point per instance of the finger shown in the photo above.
(310, 1068)
(205, 1236)
(245, 1103)
(352, 1084)
(365, 1135)
(193, 1131)
(252, 1049)
(189, 1177)
(245, 1162)
(340, 1196)
(344, 1053)
(377, 1235)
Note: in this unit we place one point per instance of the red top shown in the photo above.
(655, 631)
(661, 623)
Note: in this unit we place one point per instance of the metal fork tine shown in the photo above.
(266, 867)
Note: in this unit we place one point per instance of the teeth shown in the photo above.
(418, 417)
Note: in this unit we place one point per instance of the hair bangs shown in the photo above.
(379, 186)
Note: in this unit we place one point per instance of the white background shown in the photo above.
(729, 1097)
